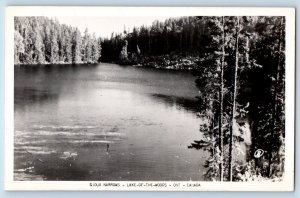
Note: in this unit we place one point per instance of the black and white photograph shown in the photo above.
(168, 101)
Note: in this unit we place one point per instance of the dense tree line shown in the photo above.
(40, 40)
(241, 81)
(182, 36)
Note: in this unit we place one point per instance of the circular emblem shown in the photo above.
(258, 153)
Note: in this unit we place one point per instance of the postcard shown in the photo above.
(149, 98)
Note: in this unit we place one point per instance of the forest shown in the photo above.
(241, 79)
(40, 40)
(173, 44)
(239, 65)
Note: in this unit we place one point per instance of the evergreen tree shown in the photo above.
(86, 47)
(18, 47)
(95, 53)
(40, 40)
(99, 48)
(76, 46)
(54, 57)
(123, 53)
(28, 36)
(39, 46)
(68, 45)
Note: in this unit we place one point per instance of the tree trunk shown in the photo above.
(234, 98)
(149, 42)
(274, 105)
(221, 146)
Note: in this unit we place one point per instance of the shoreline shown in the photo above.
(162, 62)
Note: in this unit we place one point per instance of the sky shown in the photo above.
(104, 26)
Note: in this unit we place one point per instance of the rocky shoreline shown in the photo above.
(173, 62)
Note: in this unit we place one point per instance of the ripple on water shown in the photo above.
(43, 140)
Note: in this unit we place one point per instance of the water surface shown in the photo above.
(105, 122)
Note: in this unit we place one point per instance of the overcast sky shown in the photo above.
(104, 26)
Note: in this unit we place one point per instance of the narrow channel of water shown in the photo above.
(105, 122)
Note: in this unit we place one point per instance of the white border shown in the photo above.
(286, 185)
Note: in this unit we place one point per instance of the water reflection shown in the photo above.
(181, 103)
(31, 96)
(105, 122)
(54, 166)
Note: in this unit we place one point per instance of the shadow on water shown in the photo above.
(180, 103)
(188, 105)
(38, 84)
(199, 144)
(184, 104)
(54, 167)
(26, 95)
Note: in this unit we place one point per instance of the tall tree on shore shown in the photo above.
(123, 53)
(99, 47)
(232, 126)
(18, 47)
(221, 97)
(39, 47)
(210, 81)
(278, 134)
(95, 52)
(76, 47)
(268, 126)
(28, 41)
(86, 47)
(68, 45)
(54, 45)
(47, 43)
(61, 44)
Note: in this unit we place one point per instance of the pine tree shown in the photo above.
(232, 126)
(221, 93)
(18, 47)
(99, 47)
(68, 45)
(277, 133)
(76, 46)
(86, 47)
(39, 45)
(28, 35)
(54, 57)
(61, 40)
(123, 53)
(210, 83)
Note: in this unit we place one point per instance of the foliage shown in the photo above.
(40, 40)
(248, 112)
(182, 36)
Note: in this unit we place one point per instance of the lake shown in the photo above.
(105, 122)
